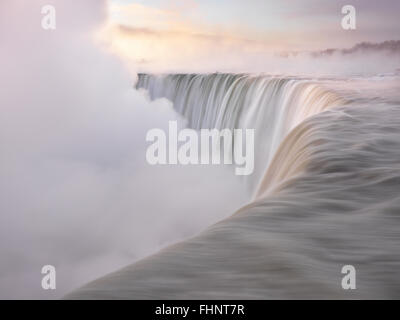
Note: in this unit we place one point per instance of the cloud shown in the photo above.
(136, 15)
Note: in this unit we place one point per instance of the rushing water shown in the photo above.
(326, 193)
(269, 105)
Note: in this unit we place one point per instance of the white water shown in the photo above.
(327, 196)
(272, 106)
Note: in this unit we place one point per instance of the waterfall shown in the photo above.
(272, 106)
(326, 194)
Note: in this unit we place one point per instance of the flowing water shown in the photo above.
(269, 105)
(326, 192)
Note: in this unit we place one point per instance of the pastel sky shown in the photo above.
(160, 32)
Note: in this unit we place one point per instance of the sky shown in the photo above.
(156, 33)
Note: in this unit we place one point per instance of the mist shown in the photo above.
(151, 51)
(76, 191)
